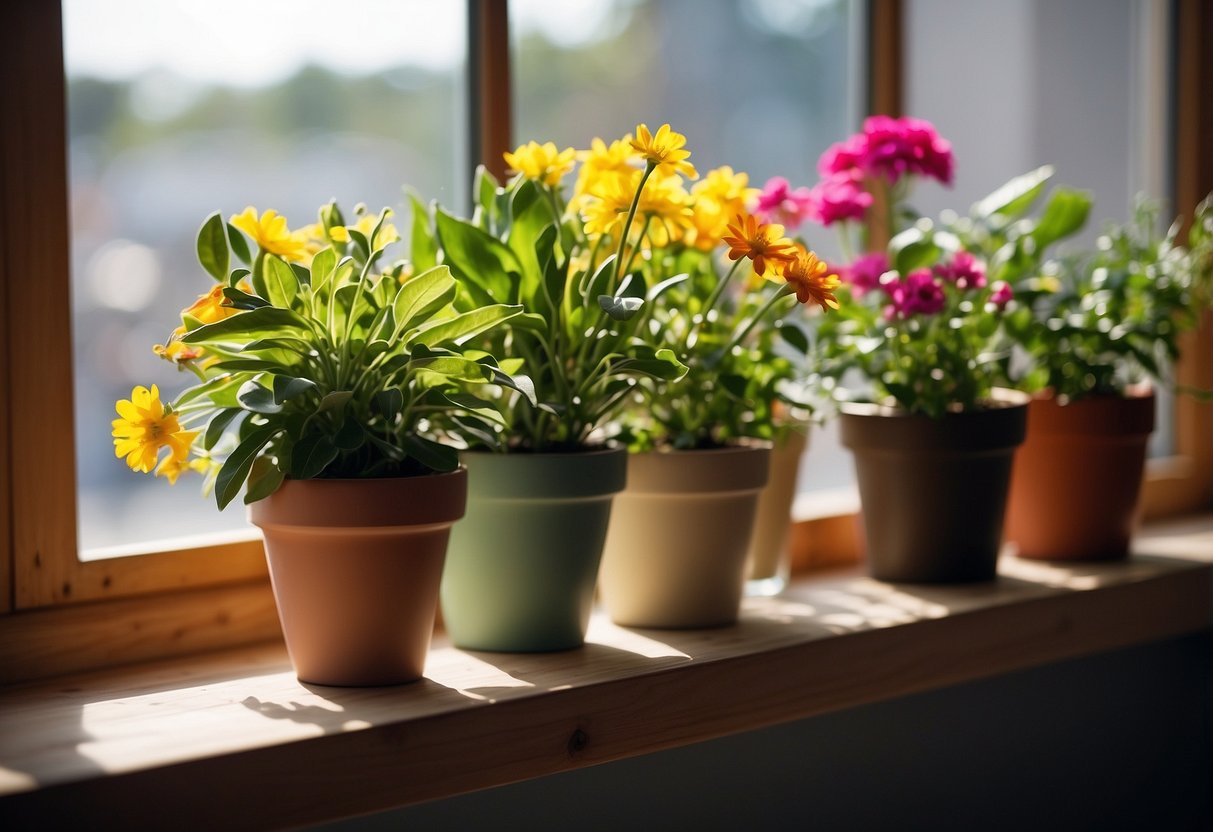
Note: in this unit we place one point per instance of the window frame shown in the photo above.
(218, 595)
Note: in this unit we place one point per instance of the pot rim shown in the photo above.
(734, 468)
(435, 498)
(561, 475)
(1001, 398)
(995, 429)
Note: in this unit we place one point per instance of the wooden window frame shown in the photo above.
(59, 614)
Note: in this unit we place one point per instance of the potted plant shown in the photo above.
(913, 358)
(317, 368)
(676, 553)
(1098, 329)
(523, 563)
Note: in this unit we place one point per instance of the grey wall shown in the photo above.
(1116, 741)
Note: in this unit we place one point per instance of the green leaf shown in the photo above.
(422, 296)
(735, 385)
(237, 277)
(239, 245)
(350, 436)
(236, 469)
(390, 402)
(454, 367)
(1016, 196)
(334, 401)
(665, 285)
(463, 327)
(281, 283)
(311, 455)
(661, 364)
(431, 454)
(243, 300)
(620, 309)
(263, 480)
(912, 249)
(212, 247)
(263, 323)
(287, 388)
(795, 337)
(477, 257)
(1064, 214)
(422, 242)
(218, 424)
(220, 390)
(257, 398)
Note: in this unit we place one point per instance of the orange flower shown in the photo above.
(760, 242)
(811, 279)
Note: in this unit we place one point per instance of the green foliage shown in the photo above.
(1098, 321)
(577, 336)
(332, 369)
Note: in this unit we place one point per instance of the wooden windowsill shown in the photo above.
(232, 740)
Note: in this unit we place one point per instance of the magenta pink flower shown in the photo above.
(1001, 294)
(965, 271)
(917, 294)
(891, 148)
(778, 203)
(839, 197)
(864, 274)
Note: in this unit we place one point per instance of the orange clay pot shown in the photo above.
(356, 566)
(1077, 477)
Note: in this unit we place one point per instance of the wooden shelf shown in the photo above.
(234, 741)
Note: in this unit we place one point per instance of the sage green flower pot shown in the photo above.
(523, 562)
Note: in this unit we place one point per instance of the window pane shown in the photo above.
(761, 85)
(177, 110)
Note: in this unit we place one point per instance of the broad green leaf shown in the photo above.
(334, 401)
(263, 480)
(421, 296)
(734, 385)
(600, 282)
(795, 337)
(453, 367)
(243, 300)
(311, 455)
(462, 327)
(323, 266)
(220, 390)
(257, 398)
(913, 249)
(239, 245)
(431, 454)
(218, 424)
(620, 309)
(237, 277)
(236, 469)
(280, 282)
(477, 257)
(477, 429)
(422, 244)
(1016, 196)
(263, 323)
(287, 388)
(212, 247)
(1064, 214)
(530, 216)
(350, 436)
(389, 402)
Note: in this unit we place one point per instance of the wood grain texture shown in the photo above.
(39, 644)
(491, 108)
(886, 67)
(193, 740)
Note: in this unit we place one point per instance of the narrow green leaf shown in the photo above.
(281, 282)
(218, 424)
(463, 327)
(243, 300)
(236, 468)
(421, 296)
(431, 454)
(264, 322)
(311, 455)
(1016, 196)
(239, 245)
(334, 401)
(422, 243)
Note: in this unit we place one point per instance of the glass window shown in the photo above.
(180, 109)
(761, 85)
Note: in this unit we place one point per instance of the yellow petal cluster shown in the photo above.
(664, 149)
(747, 237)
(144, 427)
(542, 162)
(270, 233)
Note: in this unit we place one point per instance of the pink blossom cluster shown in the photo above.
(779, 203)
(922, 291)
(887, 147)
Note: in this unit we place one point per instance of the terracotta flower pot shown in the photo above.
(522, 565)
(355, 566)
(767, 559)
(934, 491)
(1077, 478)
(676, 552)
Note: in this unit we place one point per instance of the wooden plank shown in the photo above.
(43, 643)
(491, 100)
(164, 740)
(6, 399)
(885, 58)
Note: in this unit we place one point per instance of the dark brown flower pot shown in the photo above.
(934, 491)
(1077, 478)
(356, 566)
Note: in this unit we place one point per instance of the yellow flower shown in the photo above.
(604, 211)
(176, 350)
(728, 190)
(760, 242)
(211, 307)
(664, 202)
(271, 234)
(541, 162)
(810, 277)
(708, 224)
(365, 225)
(603, 161)
(145, 427)
(664, 148)
(171, 467)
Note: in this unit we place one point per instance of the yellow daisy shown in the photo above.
(144, 427)
(664, 148)
(541, 162)
(270, 233)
